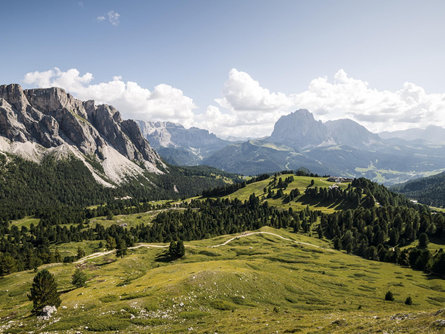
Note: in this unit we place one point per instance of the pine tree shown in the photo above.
(80, 253)
(121, 248)
(389, 296)
(180, 249)
(44, 291)
(79, 278)
(111, 243)
(423, 241)
(408, 301)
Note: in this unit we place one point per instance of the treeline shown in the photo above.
(351, 196)
(381, 194)
(231, 188)
(378, 233)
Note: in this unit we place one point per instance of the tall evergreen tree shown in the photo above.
(44, 291)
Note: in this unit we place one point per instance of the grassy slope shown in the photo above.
(300, 182)
(266, 283)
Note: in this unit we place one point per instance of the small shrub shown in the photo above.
(408, 301)
(192, 314)
(107, 324)
(389, 296)
(108, 298)
(222, 305)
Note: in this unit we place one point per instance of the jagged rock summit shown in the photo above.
(38, 122)
(300, 130)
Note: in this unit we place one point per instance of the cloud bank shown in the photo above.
(246, 109)
(164, 102)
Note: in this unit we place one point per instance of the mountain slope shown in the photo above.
(428, 190)
(57, 152)
(38, 122)
(178, 145)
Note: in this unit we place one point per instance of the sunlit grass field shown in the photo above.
(254, 284)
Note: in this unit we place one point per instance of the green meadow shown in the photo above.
(258, 283)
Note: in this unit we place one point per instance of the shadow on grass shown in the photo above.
(164, 257)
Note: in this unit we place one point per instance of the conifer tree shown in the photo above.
(79, 278)
(44, 291)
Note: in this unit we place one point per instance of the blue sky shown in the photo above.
(278, 49)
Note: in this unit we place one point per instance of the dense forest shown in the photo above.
(28, 188)
(428, 190)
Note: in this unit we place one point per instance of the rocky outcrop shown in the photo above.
(55, 120)
(47, 312)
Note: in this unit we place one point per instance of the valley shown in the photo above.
(270, 279)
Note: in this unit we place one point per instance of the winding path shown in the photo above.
(242, 235)
(246, 234)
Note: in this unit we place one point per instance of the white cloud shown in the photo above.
(253, 110)
(112, 17)
(378, 110)
(164, 102)
(246, 109)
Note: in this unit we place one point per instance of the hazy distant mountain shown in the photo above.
(350, 133)
(300, 130)
(340, 147)
(432, 135)
(178, 145)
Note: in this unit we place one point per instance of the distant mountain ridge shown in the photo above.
(178, 145)
(340, 147)
(432, 134)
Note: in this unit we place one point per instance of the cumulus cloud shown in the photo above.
(246, 109)
(163, 103)
(378, 110)
(255, 109)
(112, 17)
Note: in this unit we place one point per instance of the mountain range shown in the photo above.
(37, 123)
(57, 152)
(339, 147)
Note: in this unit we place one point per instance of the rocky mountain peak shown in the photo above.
(51, 118)
(298, 129)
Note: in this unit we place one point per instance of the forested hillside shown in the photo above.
(428, 190)
(360, 217)
(28, 188)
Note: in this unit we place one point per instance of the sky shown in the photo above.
(234, 67)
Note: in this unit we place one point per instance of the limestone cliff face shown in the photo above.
(51, 120)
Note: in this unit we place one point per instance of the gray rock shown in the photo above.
(47, 312)
(53, 118)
